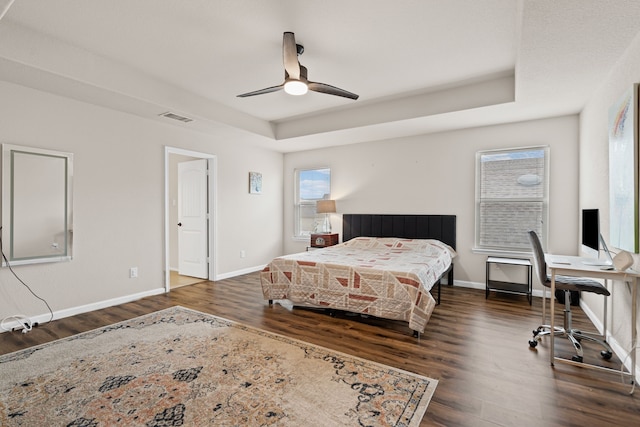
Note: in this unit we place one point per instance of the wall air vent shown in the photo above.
(175, 116)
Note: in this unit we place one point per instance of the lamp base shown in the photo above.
(326, 225)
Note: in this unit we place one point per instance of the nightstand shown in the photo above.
(509, 287)
(323, 240)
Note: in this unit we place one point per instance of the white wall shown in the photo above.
(594, 182)
(435, 174)
(119, 201)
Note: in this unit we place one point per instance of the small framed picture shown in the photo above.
(255, 183)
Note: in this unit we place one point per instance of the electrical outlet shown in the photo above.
(133, 272)
(243, 254)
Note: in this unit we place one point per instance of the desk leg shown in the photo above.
(552, 315)
(634, 332)
(605, 309)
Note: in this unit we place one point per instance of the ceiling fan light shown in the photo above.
(295, 87)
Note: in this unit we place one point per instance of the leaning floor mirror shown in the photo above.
(37, 220)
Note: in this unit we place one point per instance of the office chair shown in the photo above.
(565, 284)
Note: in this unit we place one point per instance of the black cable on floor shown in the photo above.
(6, 261)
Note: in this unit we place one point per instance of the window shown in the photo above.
(311, 185)
(512, 188)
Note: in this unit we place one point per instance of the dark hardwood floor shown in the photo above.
(476, 348)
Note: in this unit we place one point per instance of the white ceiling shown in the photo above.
(419, 66)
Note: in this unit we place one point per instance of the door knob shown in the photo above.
(179, 224)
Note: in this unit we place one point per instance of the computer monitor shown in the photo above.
(591, 233)
(592, 240)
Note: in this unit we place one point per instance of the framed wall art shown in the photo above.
(255, 183)
(623, 172)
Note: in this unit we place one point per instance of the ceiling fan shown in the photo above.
(295, 75)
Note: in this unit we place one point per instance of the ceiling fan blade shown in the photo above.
(290, 55)
(262, 91)
(331, 90)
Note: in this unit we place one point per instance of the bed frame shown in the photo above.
(440, 227)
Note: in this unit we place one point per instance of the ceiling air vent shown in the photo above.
(175, 116)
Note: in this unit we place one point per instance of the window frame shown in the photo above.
(544, 227)
(298, 204)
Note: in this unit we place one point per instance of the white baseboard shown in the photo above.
(240, 272)
(483, 286)
(622, 353)
(594, 319)
(60, 314)
(466, 284)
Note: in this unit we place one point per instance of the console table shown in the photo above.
(509, 287)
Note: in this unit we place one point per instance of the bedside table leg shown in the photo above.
(486, 288)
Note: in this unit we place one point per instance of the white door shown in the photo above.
(192, 219)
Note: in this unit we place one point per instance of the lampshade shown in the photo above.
(326, 206)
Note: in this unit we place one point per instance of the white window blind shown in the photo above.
(311, 185)
(511, 197)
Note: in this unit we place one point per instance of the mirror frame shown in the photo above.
(64, 253)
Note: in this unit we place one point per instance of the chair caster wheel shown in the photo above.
(535, 332)
(533, 343)
(606, 355)
(577, 358)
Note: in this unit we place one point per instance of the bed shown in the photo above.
(386, 267)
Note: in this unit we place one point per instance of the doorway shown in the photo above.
(185, 249)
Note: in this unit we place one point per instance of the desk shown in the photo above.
(574, 266)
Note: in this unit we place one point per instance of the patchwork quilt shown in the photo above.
(383, 277)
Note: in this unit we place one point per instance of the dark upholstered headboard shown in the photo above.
(440, 227)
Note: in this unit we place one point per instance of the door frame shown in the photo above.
(211, 202)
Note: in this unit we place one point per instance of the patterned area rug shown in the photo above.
(181, 367)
